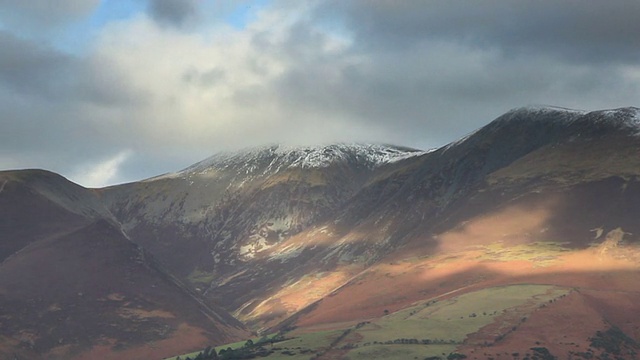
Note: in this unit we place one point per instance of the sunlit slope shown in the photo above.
(478, 198)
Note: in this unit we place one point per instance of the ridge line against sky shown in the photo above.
(111, 91)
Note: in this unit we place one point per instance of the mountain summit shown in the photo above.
(274, 158)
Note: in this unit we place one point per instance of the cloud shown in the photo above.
(222, 91)
(571, 30)
(103, 173)
(34, 69)
(419, 74)
(173, 12)
(38, 15)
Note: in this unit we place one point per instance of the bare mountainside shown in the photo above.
(521, 235)
(260, 223)
(72, 285)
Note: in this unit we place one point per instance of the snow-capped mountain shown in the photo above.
(296, 236)
(257, 206)
(236, 205)
(268, 160)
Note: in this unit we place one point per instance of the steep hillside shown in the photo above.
(72, 285)
(561, 213)
(216, 220)
(37, 204)
(458, 196)
(93, 293)
(269, 232)
(442, 253)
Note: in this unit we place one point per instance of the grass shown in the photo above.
(448, 322)
(315, 340)
(198, 277)
(438, 327)
(184, 356)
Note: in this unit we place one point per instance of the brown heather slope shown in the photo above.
(95, 291)
(31, 209)
(72, 282)
(551, 218)
(601, 284)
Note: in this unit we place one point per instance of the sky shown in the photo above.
(111, 91)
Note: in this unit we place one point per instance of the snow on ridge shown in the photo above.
(323, 156)
(626, 117)
(636, 116)
(547, 108)
(541, 112)
(272, 158)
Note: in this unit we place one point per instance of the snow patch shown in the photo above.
(272, 159)
(287, 253)
(249, 251)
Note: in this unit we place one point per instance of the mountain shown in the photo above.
(538, 197)
(38, 204)
(260, 221)
(72, 284)
(218, 220)
(518, 238)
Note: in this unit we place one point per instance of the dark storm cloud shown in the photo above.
(32, 69)
(430, 71)
(173, 12)
(36, 70)
(580, 31)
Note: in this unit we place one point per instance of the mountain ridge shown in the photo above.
(305, 236)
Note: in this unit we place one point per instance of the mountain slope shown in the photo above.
(563, 212)
(272, 231)
(94, 292)
(211, 219)
(71, 282)
(37, 204)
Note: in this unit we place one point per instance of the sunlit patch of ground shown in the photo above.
(296, 295)
(129, 313)
(392, 286)
(512, 225)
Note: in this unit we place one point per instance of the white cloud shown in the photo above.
(220, 89)
(101, 174)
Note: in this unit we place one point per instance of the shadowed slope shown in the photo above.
(37, 204)
(92, 288)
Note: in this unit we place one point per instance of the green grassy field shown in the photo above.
(430, 328)
(454, 319)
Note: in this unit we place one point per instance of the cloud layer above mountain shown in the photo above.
(134, 88)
